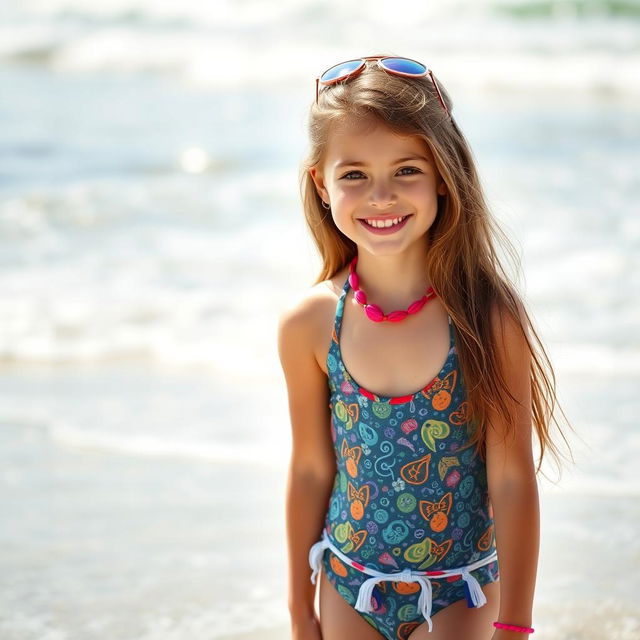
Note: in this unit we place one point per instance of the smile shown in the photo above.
(383, 227)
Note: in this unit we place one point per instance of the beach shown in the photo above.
(151, 232)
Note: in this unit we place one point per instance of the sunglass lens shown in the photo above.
(404, 65)
(340, 70)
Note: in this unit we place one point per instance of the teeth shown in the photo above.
(385, 223)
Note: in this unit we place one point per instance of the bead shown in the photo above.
(414, 307)
(361, 297)
(396, 316)
(374, 312)
(354, 281)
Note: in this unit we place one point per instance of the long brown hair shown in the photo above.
(462, 261)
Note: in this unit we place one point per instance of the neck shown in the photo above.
(392, 282)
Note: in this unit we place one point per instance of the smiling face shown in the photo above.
(371, 173)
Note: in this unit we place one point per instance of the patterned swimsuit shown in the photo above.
(404, 501)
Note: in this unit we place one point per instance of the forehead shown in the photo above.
(366, 140)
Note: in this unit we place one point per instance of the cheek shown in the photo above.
(427, 196)
(424, 190)
(342, 217)
(344, 198)
(343, 212)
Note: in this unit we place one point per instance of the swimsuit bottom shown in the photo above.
(396, 606)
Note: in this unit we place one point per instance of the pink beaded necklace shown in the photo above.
(373, 311)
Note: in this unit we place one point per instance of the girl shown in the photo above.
(413, 384)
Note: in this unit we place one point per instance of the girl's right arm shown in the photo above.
(312, 466)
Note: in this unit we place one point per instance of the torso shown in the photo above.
(390, 359)
(405, 493)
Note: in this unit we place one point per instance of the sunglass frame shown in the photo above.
(379, 59)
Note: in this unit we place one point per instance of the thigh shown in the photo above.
(457, 620)
(338, 618)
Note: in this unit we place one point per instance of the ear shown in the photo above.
(318, 179)
(442, 189)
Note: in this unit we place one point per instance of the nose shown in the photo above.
(382, 195)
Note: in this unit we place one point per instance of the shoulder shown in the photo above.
(304, 322)
(302, 325)
(509, 334)
(512, 348)
(304, 313)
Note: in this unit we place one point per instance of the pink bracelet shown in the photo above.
(512, 627)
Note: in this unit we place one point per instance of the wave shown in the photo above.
(568, 46)
(270, 454)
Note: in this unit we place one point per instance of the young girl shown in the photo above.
(413, 384)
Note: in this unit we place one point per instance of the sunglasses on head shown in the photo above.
(394, 65)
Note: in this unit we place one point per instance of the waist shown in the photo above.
(434, 573)
(473, 591)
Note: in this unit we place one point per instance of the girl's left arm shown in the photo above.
(512, 485)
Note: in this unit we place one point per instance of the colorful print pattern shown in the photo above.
(396, 613)
(404, 497)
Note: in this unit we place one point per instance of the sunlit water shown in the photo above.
(150, 233)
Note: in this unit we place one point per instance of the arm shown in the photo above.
(512, 484)
(312, 467)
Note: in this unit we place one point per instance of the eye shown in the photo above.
(345, 176)
(412, 169)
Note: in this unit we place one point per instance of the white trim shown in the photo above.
(363, 602)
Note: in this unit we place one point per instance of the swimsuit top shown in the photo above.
(403, 496)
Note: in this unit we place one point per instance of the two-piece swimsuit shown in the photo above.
(409, 529)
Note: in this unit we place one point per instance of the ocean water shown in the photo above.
(151, 232)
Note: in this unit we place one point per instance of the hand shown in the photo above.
(306, 628)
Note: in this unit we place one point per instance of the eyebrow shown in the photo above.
(357, 163)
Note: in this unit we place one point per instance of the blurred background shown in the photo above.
(151, 232)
